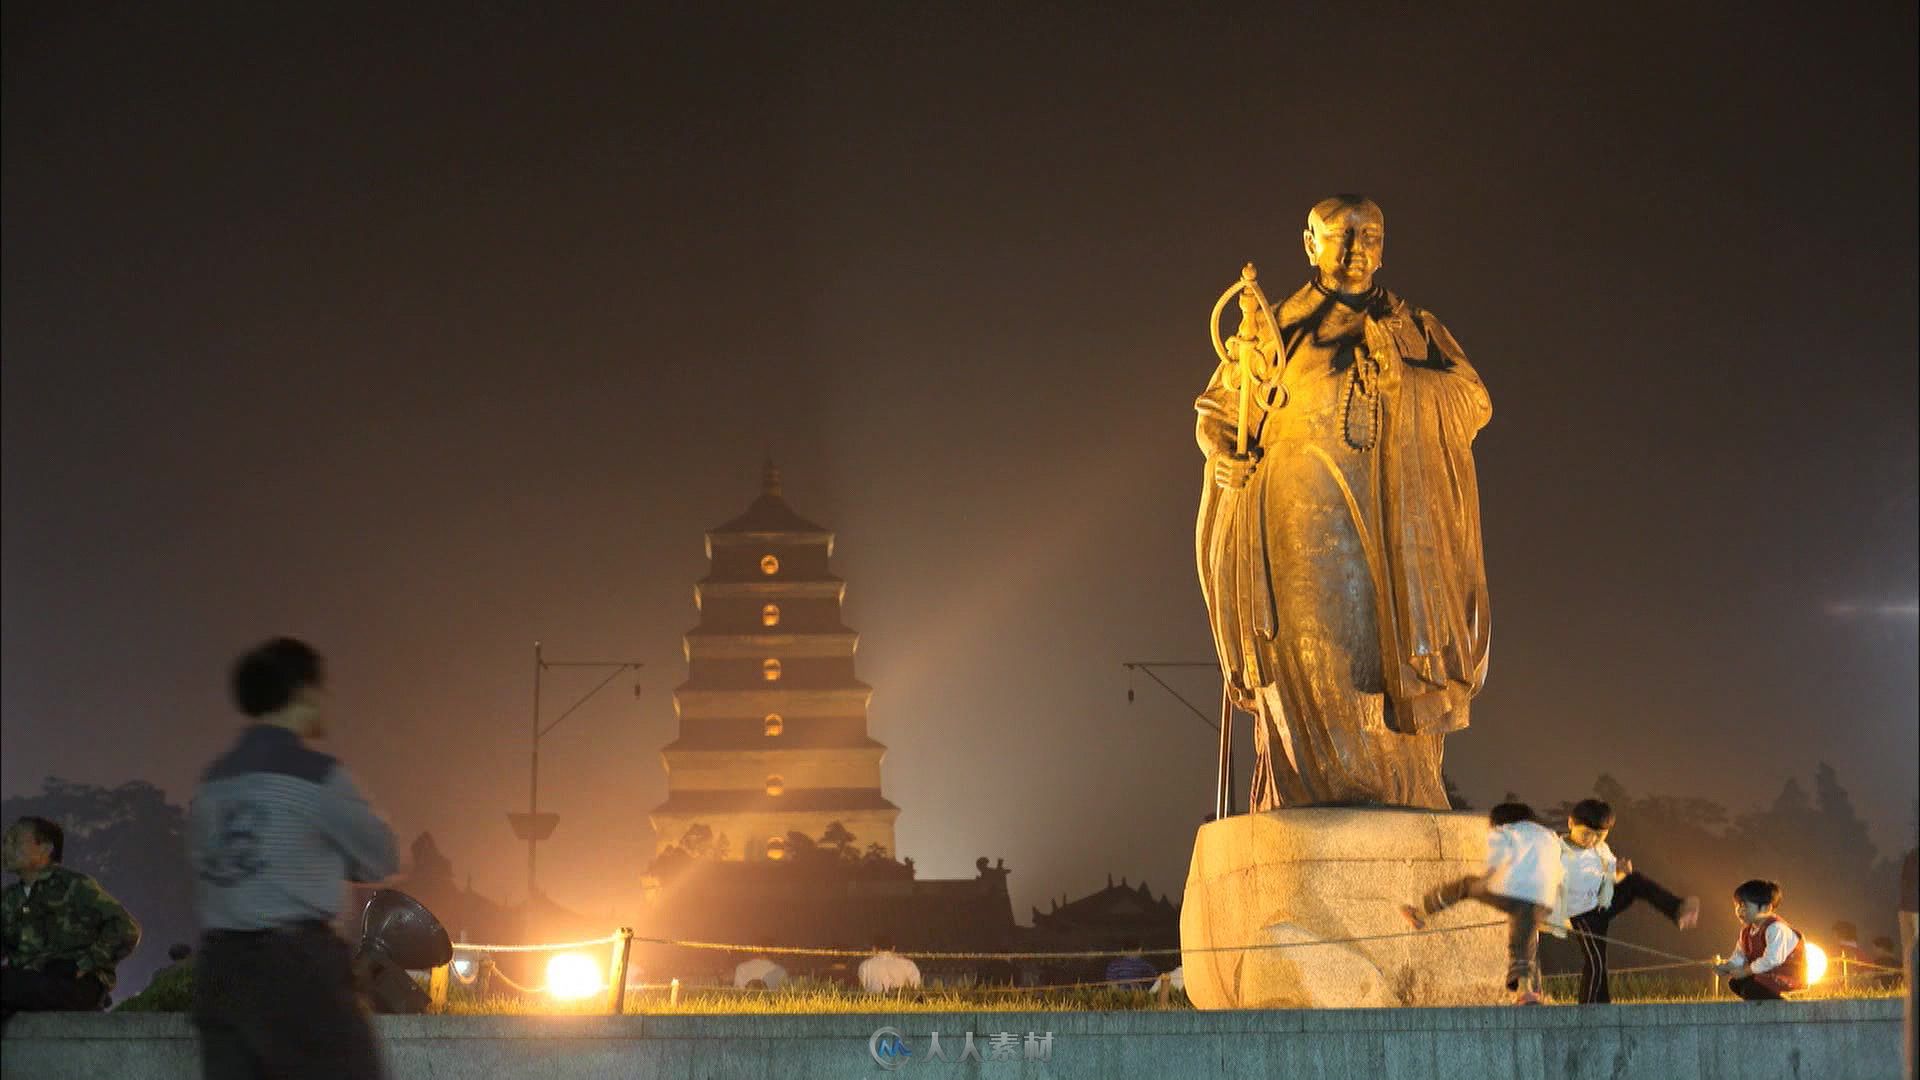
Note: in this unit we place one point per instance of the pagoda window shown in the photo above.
(774, 724)
(776, 785)
(770, 615)
(770, 670)
(769, 565)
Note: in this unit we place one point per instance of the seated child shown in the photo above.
(1769, 960)
(1599, 887)
(1522, 880)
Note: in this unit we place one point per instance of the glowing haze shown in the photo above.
(426, 339)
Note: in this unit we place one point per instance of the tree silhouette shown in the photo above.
(838, 838)
(697, 841)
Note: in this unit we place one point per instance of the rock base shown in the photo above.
(1313, 880)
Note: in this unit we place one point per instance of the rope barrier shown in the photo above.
(1683, 960)
(608, 940)
(505, 978)
(1085, 954)
(725, 988)
(1864, 964)
(1677, 961)
(1641, 970)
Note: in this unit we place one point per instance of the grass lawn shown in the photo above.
(828, 998)
(173, 993)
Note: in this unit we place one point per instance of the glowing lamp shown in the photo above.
(1816, 961)
(463, 967)
(572, 976)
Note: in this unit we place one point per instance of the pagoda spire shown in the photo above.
(770, 478)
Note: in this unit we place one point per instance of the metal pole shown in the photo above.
(533, 772)
(1223, 775)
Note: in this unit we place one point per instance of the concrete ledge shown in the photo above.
(1828, 1040)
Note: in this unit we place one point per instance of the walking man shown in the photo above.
(275, 827)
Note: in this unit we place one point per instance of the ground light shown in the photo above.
(1816, 962)
(572, 976)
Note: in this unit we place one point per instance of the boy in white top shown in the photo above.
(886, 970)
(1522, 880)
(1600, 887)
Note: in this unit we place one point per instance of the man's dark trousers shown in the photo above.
(56, 990)
(280, 1003)
(1593, 950)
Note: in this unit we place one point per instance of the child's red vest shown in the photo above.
(1753, 946)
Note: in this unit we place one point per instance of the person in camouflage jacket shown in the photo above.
(61, 934)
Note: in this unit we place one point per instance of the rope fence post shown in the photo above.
(617, 970)
(673, 992)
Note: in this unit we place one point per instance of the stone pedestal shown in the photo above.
(1326, 874)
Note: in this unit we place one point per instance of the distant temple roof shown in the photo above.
(1118, 908)
(769, 513)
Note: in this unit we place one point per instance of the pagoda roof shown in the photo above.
(769, 513)
(789, 741)
(753, 800)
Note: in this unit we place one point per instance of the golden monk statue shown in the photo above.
(1339, 531)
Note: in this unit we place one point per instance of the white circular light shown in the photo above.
(572, 976)
(1816, 962)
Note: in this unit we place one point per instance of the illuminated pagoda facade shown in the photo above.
(773, 724)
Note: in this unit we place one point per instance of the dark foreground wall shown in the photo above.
(1824, 1040)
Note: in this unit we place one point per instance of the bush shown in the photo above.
(170, 991)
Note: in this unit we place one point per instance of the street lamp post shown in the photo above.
(1223, 773)
(534, 826)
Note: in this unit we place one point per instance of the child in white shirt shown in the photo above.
(1600, 887)
(1522, 880)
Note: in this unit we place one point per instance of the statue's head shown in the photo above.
(1346, 237)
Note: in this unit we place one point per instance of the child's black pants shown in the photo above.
(1593, 950)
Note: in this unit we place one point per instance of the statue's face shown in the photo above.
(1347, 250)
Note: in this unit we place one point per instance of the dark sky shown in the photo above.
(427, 337)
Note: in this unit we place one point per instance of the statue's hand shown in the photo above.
(1246, 350)
(1383, 348)
(1232, 470)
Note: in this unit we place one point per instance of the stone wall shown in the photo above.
(1822, 1040)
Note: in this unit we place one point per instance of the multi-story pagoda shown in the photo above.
(773, 725)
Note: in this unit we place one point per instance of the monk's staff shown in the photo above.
(1249, 291)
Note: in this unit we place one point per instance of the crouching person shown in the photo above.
(62, 935)
(1770, 959)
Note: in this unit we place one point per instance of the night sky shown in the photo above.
(426, 337)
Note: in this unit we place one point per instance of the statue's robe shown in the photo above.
(1345, 582)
